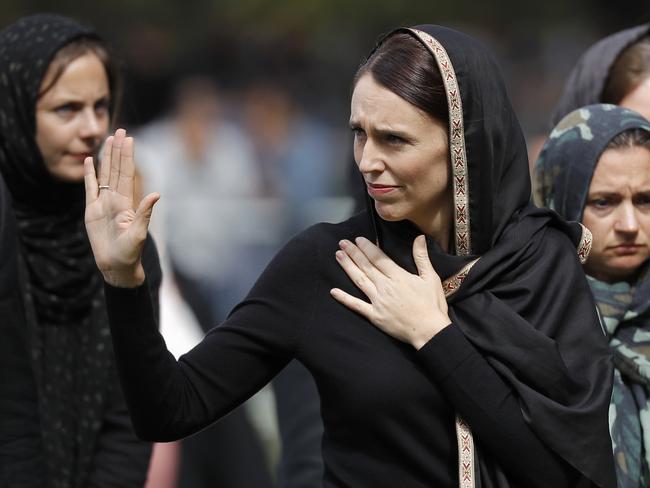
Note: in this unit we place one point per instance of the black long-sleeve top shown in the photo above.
(388, 410)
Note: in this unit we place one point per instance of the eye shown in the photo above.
(642, 200)
(601, 203)
(65, 109)
(101, 106)
(394, 140)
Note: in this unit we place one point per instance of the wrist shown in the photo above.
(425, 334)
(125, 278)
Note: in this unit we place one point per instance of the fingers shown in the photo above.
(90, 181)
(377, 257)
(105, 163)
(116, 158)
(126, 174)
(355, 273)
(421, 258)
(143, 214)
(353, 303)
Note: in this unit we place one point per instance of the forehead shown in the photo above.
(639, 99)
(620, 168)
(374, 104)
(85, 75)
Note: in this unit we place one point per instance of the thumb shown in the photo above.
(421, 258)
(144, 211)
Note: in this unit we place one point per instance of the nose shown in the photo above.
(626, 220)
(370, 158)
(92, 125)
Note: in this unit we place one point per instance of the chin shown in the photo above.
(624, 269)
(388, 214)
(69, 175)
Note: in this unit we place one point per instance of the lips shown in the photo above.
(81, 156)
(626, 249)
(378, 189)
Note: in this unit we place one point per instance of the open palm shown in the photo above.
(116, 230)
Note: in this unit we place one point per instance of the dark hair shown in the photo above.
(630, 138)
(79, 47)
(404, 66)
(630, 68)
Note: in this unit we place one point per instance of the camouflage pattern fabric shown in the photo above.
(561, 181)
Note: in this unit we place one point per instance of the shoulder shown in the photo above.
(303, 254)
(324, 234)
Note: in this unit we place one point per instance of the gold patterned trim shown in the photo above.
(584, 248)
(465, 454)
(452, 284)
(456, 142)
(464, 436)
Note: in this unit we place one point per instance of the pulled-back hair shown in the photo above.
(81, 46)
(404, 66)
(630, 138)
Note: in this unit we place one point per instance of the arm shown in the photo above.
(169, 399)
(492, 409)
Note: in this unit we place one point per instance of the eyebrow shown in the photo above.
(381, 131)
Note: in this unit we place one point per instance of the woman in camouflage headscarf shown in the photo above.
(595, 168)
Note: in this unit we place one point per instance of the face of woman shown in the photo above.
(618, 214)
(403, 154)
(72, 117)
(639, 99)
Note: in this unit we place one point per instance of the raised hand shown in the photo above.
(116, 230)
(410, 307)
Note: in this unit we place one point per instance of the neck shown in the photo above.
(437, 224)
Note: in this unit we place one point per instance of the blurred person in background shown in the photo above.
(614, 70)
(595, 168)
(298, 157)
(58, 93)
(437, 356)
(204, 166)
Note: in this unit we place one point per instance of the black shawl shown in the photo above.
(62, 289)
(536, 324)
(587, 80)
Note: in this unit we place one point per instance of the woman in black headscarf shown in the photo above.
(595, 168)
(615, 70)
(57, 95)
(471, 357)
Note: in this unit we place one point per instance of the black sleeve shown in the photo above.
(21, 450)
(488, 404)
(170, 399)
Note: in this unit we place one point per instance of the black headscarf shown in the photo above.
(70, 339)
(587, 80)
(514, 283)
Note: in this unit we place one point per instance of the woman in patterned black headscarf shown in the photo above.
(58, 90)
(595, 168)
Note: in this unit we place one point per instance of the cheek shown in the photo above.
(51, 137)
(599, 227)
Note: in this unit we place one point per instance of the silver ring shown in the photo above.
(104, 187)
